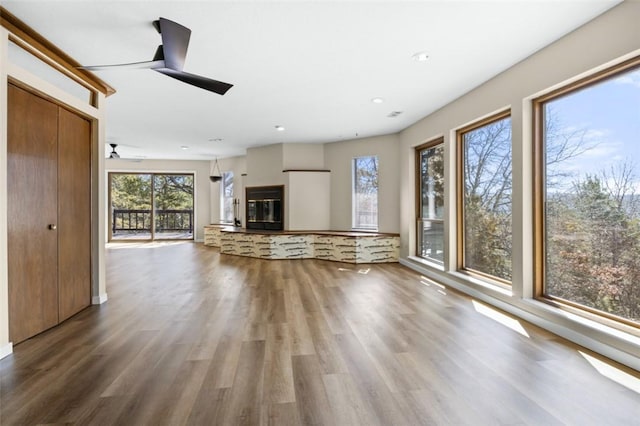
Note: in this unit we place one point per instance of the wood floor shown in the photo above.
(192, 337)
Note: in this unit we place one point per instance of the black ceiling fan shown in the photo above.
(170, 56)
(113, 153)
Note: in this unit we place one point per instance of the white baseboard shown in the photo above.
(99, 300)
(6, 350)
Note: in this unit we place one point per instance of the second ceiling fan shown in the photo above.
(170, 56)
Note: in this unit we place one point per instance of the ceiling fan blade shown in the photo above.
(205, 83)
(132, 65)
(175, 41)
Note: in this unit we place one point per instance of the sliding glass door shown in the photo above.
(173, 214)
(150, 206)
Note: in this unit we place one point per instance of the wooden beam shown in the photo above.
(50, 53)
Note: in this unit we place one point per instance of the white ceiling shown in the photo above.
(310, 66)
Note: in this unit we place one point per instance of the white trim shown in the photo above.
(578, 330)
(6, 350)
(4, 287)
(50, 90)
(426, 262)
(100, 299)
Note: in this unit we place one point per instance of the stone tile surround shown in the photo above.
(339, 246)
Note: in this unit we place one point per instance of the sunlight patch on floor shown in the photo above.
(144, 245)
(498, 316)
(429, 282)
(609, 371)
(363, 271)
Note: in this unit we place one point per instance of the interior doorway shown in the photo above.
(151, 206)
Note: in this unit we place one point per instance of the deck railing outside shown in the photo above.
(139, 220)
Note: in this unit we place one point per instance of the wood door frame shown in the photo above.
(94, 167)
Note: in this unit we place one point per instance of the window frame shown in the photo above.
(434, 143)
(354, 225)
(539, 197)
(152, 200)
(460, 204)
(223, 197)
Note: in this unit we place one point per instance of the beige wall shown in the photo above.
(265, 165)
(200, 169)
(308, 201)
(608, 39)
(302, 156)
(338, 159)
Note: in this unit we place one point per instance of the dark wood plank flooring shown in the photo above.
(192, 337)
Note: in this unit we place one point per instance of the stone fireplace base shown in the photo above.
(349, 247)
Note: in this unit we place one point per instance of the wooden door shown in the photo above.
(74, 213)
(32, 208)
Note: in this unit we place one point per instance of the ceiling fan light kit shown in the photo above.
(170, 56)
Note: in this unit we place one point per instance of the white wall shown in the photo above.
(338, 159)
(610, 38)
(200, 169)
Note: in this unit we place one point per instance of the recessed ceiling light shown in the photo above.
(420, 56)
(184, 147)
(377, 100)
(279, 128)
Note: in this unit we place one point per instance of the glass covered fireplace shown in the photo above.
(265, 207)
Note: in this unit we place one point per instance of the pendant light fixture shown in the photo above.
(216, 177)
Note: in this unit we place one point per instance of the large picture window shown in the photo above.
(484, 198)
(365, 193)
(588, 194)
(430, 187)
(226, 198)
